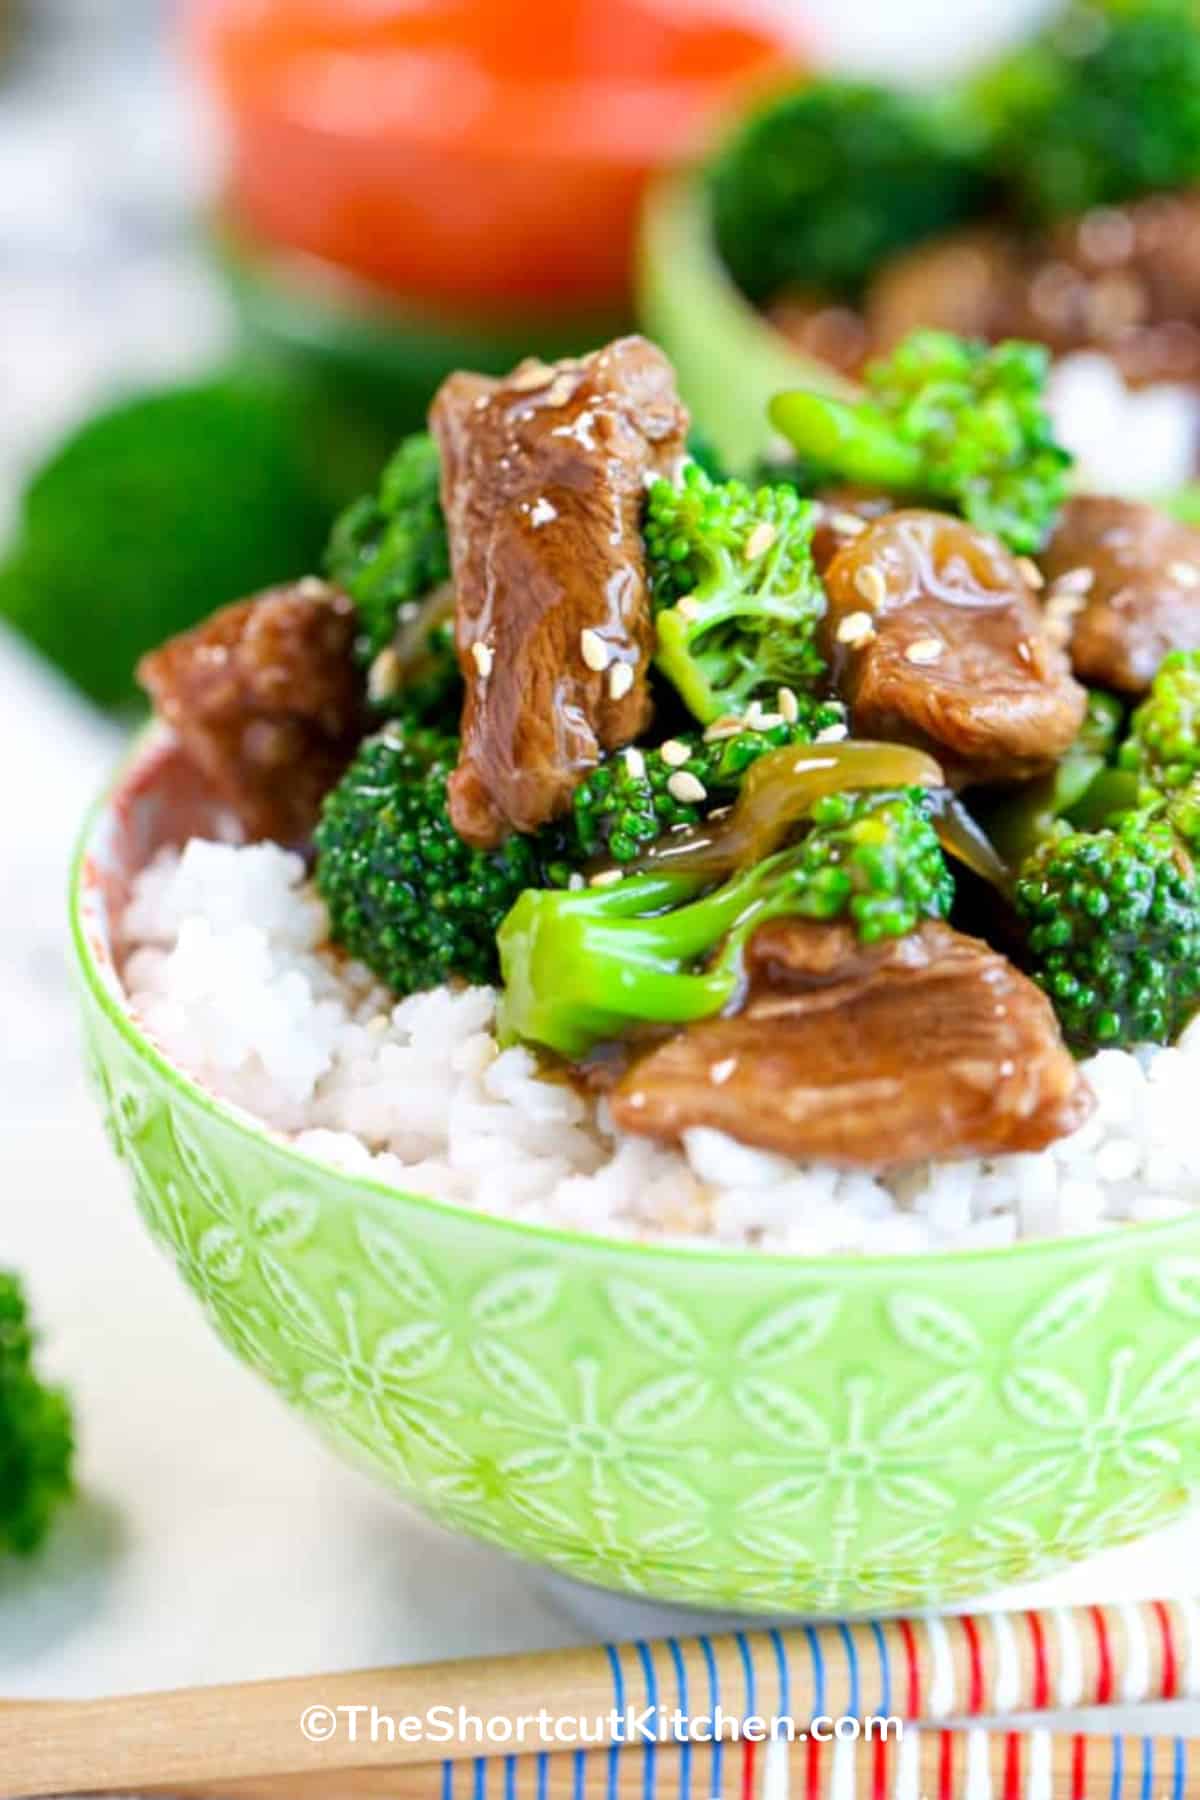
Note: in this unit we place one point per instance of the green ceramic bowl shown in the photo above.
(762, 1433)
(730, 360)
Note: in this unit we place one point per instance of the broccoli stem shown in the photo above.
(857, 441)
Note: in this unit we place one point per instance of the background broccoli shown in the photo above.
(160, 510)
(945, 419)
(389, 550)
(36, 1443)
(635, 796)
(821, 185)
(582, 967)
(737, 599)
(1104, 107)
(405, 894)
(1113, 921)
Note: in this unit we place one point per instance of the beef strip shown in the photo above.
(937, 641)
(930, 1045)
(842, 512)
(968, 282)
(1125, 582)
(266, 700)
(1124, 280)
(543, 482)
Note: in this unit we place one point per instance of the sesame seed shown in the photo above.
(482, 656)
(531, 374)
(606, 878)
(378, 1025)
(637, 1100)
(674, 754)
(767, 721)
(869, 583)
(721, 1071)
(561, 390)
(687, 608)
(593, 650)
(1024, 650)
(686, 788)
(856, 629)
(1031, 572)
(312, 588)
(832, 734)
(383, 677)
(924, 650)
(576, 882)
(620, 680)
(1185, 573)
(847, 524)
(1075, 581)
(760, 541)
(789, 706)
(723, 728)
(635, 763)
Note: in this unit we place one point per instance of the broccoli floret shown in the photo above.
(405, 894)
(947, 419)
(1029, 814)
(36, 1441)
(157, 511)
(1106, 106)
(390, 549)
(635, 796)
(737, 599)
(1163, 745)
(824, 184)
(1113, 921)
(582, 967)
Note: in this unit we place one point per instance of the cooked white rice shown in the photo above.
(227, 969)
(1133, 441)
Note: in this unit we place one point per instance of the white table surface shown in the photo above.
(212, 1539)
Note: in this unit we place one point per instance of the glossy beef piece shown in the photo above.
(969, 282)
(937, 641)
(543, 482)
(821, 326)
(930, 1045)
(266, 700)
(1125, 580)
(842, 513)
(1125, 280)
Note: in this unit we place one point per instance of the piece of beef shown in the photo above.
(969, 282)
(1124, 580)
(842, 513)
(822, 327)
(1121, 279)
(930, 1045)
(267, 701)
(543, 483)
(937, 641)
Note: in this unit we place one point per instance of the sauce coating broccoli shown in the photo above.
(582, 967)
(636, 796)
(947, 419)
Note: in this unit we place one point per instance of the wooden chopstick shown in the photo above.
(932, 1668)
(953, 1765)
